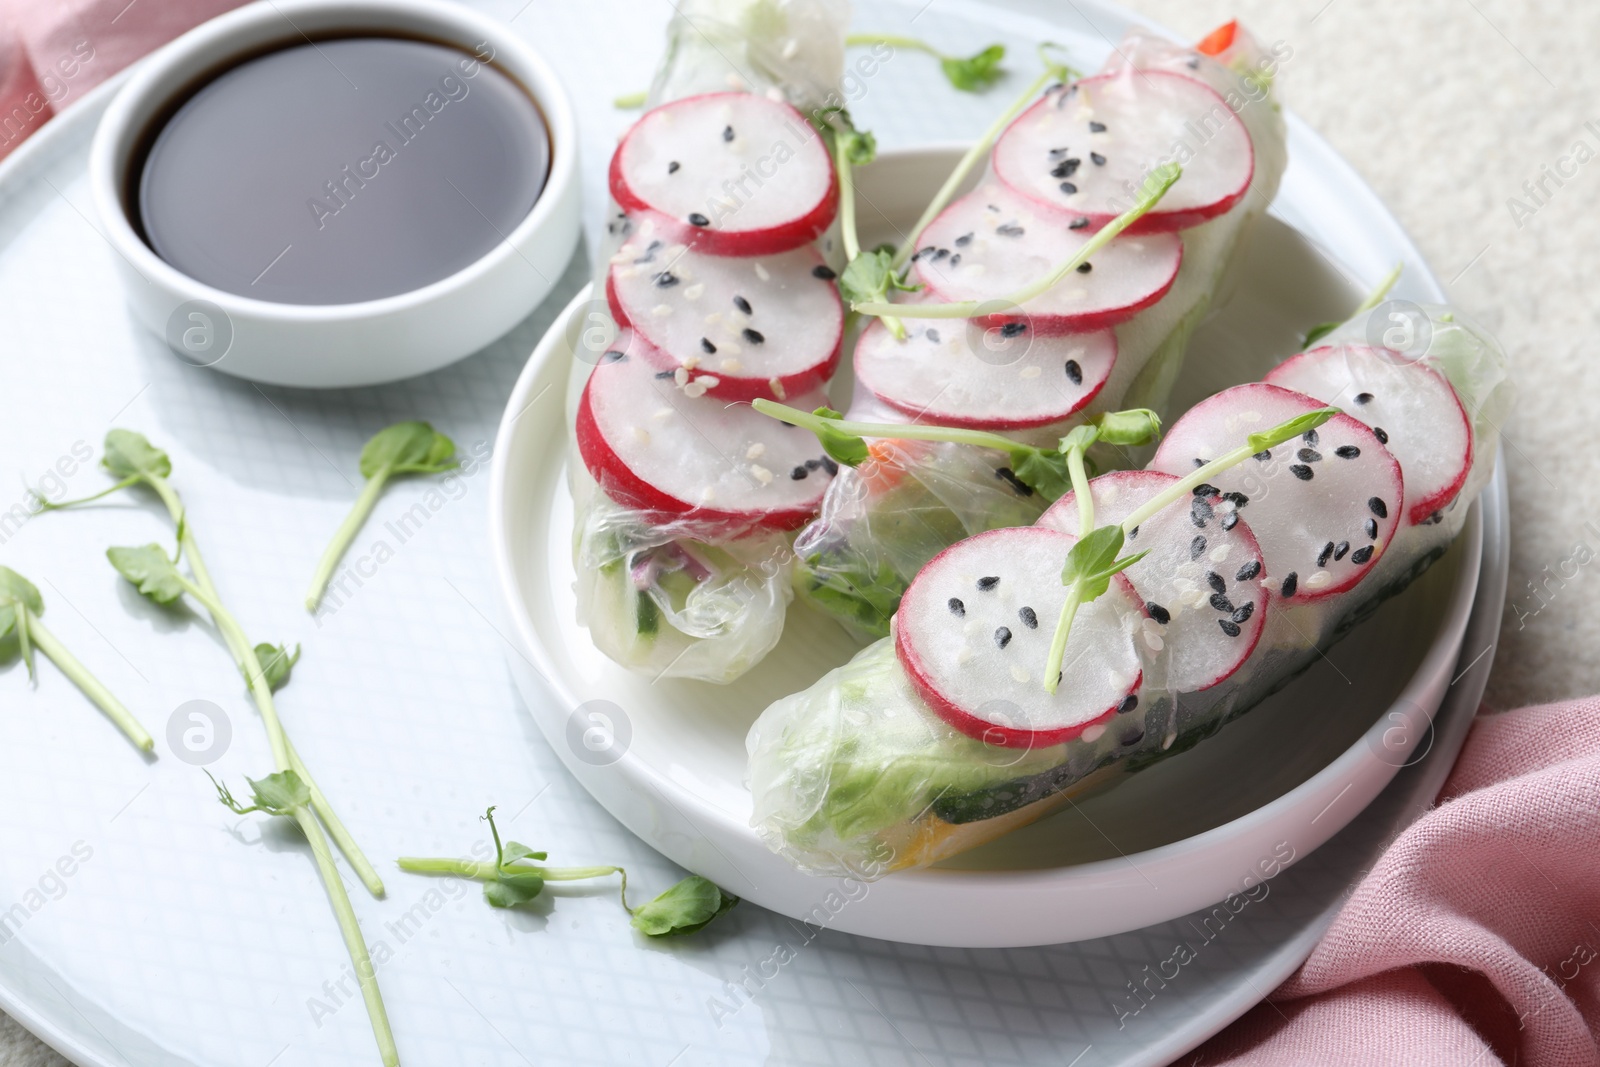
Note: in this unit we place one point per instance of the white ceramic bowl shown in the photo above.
(1180, 836)
(324, 346)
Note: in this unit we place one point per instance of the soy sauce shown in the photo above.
(342, 170)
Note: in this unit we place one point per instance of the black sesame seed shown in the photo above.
(1097, 159)
(1363, 398)
(1057, 153)
(1325, 554)
(798, 473)
(964, 240)
(1372, 528)
(830, 466)
(1309, 455)
(941, 254)
(1340, 549)
(931, 334)
(1158, 613)
(1129, 704)
(1133, 533)
(1013, 329)
(823, 271)
(1066, 168)
(755, 337)
(1200, 512)
(666, 280)
(1229, 627)
(1290, 584)
(1029, 618)
(1002, 636)
(1222, 603)
(727, 133)
(1085, 268)
(613, 356)
(672, 168)
(697, 219)
(1205, 489)
(1197, 546)
(1347, 451)
(1361, 555)
(1239, 499)
(1069, 188)
(1309, 437)
(930, 250)
(955, 259)
(742, 304)
(813, 464)
(1078, 223)
(662, 375)
(1131, 737)
(1301, 471)
(1097, 127)
(1007, 475)
(1198, 463)
(1215, 581)
(1248, 571)
(1074, 372)
(1264, 455)
(1378, 507)
(956, 606)
(986, 584)
(1010, 229)
(1243, 614)
(1230, 520)
(707, 347)
(1380, 434)
(1433, 520)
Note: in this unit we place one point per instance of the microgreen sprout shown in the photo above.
(866, 275)
(1374, 298)
(1044, 470)
(404, 448)
(20, 608)
(1157, 182)
(512, 880)
(1093, 561)
(970, 74)
(289, 791)
(630, 101)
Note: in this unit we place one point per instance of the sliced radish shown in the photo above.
(997, 379)
(1085, 149)
(1202, 589)
(992, 242)
(656, 443)
(1410, 406)
(974, 631)
(1323, 506)
(735, 173)
(770, 326)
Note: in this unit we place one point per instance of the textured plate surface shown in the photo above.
(192, 937)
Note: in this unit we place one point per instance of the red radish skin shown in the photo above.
(1108, 165)
(771, 289)
(1016, 554)
(1361, 498)
(1019, 242)
(774, 121)
(1432, 482)
(1169, 537)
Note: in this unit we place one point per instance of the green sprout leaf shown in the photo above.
(870, 277)
(1131, 428)
(131, 455)
(1042, 470)
(1093, 561)
(845, 448)
(279, 793)
(1288, 431)
(683, 909)
(976, 72)
(151, 572)
(859, 147)
(501, 894)
(276, 664)
(407, 448)
(17, 591)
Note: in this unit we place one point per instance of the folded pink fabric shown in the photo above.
(54, 51)
(1474, 940)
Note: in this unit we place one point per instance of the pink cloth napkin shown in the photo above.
(1473, 940)
(54, 51)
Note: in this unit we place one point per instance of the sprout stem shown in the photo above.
(47, 643)
(344, 536)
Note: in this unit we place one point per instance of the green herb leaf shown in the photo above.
(1317, 333)
(151, 572)
(1043, 471)
(15, 589)
(1136, 426)
(683, 909)
(847, 449)
(1093, 561)
(1288, 431)
(859, 147)
(280, 793)
(131, 455)
(276, 663)
(1079, 437)
(408, 448)
(515, 850)
(976, 72)
(501, 895)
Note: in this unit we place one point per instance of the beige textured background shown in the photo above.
(1447, 107)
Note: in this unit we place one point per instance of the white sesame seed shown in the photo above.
(695, 291)
(1019, 674)
(1319, 579)
(761, 473)
(680, 377)
(763, 273)
(641, 435)
(756, 451)
(777, 388)
(1031, 372)
(661, 311)
(1219, 553)
(1094, 733)
(662, 413)
(732, 366)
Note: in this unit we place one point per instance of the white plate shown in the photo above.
(1173, 839)
(180, 943)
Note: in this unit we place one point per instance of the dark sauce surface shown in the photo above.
(342, 171)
